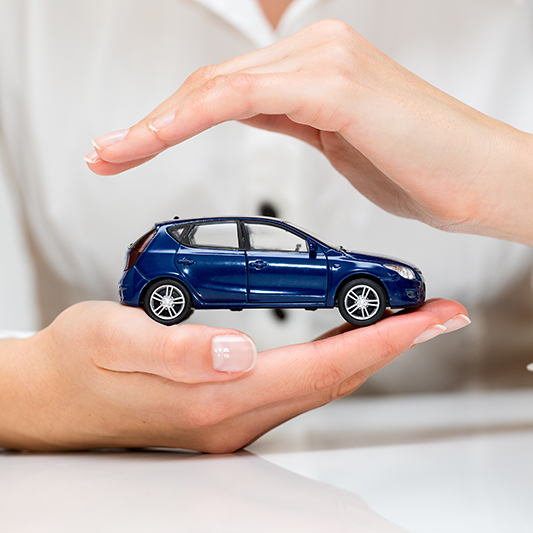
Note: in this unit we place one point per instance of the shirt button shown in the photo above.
(266, 209)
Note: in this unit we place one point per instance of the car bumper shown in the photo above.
(131, 286)
(408, 294)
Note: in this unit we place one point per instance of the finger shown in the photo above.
(129, 341)
(304, 369)
(249, 426)
(201, 81)
(227, 89)
(282, 124)
(444, 309)
(103, 168)
(452, 316)
(268, 59)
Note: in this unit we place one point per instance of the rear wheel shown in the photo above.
(168, 302)
(362, 302)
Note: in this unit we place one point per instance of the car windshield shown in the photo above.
(320, 239)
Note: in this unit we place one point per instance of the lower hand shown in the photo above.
(105, 375)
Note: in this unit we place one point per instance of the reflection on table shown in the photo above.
(454, 462)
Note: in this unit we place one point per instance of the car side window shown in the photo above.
(220, 235)
(267, 237)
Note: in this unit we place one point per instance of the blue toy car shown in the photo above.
(246, 262)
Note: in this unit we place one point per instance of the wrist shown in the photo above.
(22, 393)
(506, 210)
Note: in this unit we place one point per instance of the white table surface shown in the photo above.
(458, 462)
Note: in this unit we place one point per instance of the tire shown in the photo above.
(362, 302)
(168, 302)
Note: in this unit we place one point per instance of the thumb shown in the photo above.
(189, 354)
(124, 339)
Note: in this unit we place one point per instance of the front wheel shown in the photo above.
(362, 302)
(168, 302)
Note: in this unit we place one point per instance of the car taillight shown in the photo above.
(138, 247)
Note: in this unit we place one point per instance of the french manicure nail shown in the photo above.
(109, 139)
(233, 353)
(92, 157)
(162, 122)
(456, 322)
(429, 334)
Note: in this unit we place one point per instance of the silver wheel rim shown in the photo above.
(167, 302)
(362, 302)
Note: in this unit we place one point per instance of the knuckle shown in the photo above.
(172, 356)
(347, 387)
(334, 29)
(178, 346)
(328, 378)
(243, 82)
(202, 75)
(342, 58)
(213, 82)
(328, 373)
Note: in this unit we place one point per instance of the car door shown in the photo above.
(212, 262)
(281, 269)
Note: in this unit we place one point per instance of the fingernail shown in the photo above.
(162, 122)
(429, 334)
(530, 367)
(109, 139)
(92, 157)
(233, 353)
(457, 322)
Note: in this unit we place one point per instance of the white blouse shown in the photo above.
(73, 70)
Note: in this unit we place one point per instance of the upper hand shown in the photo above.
(406, 145)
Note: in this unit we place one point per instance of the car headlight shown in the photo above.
(404, 271)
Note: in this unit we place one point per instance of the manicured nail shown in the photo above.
(429, 334)
(530, 367)
(233, 353)
(109, 139)
(162, 122)
(92, 157)
(457, 322)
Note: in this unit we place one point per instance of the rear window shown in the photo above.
(138, 247)
(148, 236)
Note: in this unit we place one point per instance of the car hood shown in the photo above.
(374, 258)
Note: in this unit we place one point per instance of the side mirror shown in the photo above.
(313, 249)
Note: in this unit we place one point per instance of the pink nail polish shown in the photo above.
(92, 157)
(109, 139)
(233, 353)
(162, 122)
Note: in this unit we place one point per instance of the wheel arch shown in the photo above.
(152, 282)
(360, 275)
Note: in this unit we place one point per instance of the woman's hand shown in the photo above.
(104, 375)
(407, 146)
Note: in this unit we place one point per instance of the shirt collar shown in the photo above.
(248, 17)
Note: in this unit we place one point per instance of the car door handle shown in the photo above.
(185, 261)
(258, 265)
